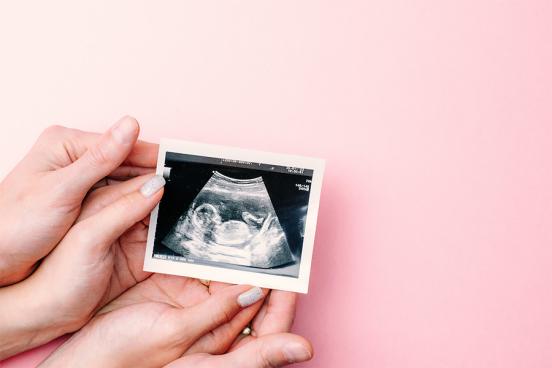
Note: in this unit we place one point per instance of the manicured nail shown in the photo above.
(124, 130)
(152, 186)
(295, 352)
(251, 296)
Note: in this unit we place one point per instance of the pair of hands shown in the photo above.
(71, 253)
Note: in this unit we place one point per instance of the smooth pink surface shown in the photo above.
(434, 243)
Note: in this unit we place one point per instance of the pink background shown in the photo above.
(434, 243)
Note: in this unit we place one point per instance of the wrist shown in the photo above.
(64, 356)
(25, 322)
(16, 264)
(77, 351)
(11, 272)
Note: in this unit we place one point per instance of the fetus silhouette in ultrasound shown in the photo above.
(231, 221)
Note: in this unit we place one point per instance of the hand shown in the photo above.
(100, 257)
(269, 344)
(158, 320)
(269, 351)
(43, 194)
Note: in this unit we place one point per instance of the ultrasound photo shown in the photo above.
(232, 214)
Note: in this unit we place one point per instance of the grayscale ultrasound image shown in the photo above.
(232, 214)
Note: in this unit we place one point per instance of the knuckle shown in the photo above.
(97, 157)
(93, 202)
(54, 130)
(177, 333)
(52, 133)
(57, 132)
(56, 137)
(265, 359)
(225, 334)
(83, 235)
(124, 207)
(126, 202)
(216, 339)
(221, 315)
(292, 321)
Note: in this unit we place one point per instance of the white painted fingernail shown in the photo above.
(296, 353)
(251, 296)
(124, 130)
(152, 186)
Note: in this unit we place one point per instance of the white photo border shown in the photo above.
(208, 272)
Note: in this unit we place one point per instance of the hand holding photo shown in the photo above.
(235, 215)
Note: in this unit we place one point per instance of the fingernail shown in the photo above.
(295, 352)
(152, 186)
(124, 130)
(251, 296)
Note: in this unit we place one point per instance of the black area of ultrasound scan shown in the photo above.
(187, 179)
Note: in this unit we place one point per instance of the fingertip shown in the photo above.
(294, 348)
(276, 350)
(152, 186)
(251, 296)
(127, 116)
(126, 130)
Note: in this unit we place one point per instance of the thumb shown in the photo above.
(276, 350)
(111, 149)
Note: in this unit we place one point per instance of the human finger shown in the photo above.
(276, 316)
(275, 350)
(220, 339)
(99, 231)
(109, 151)
(218, 309)
(102, 197)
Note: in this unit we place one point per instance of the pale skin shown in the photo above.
(168, 301)
(90, 240)
(45, 191)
